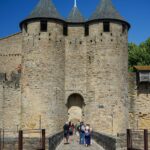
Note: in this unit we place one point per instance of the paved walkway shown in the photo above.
(74, 145)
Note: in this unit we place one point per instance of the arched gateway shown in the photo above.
(75, 106)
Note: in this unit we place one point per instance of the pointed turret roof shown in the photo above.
(44, 9)
(106, 10)
(75, 16)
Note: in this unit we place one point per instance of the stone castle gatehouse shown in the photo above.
(76, 69)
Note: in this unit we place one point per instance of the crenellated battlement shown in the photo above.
(11, 80)
(53, 28)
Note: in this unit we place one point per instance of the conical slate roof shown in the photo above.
(75, 16)
(44, 9)
(106, 10)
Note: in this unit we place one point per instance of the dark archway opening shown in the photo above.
(75, 106)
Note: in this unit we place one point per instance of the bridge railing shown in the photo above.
(107, 142)
(55, 140)
(137, 139)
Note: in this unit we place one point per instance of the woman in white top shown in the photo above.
(87, 136)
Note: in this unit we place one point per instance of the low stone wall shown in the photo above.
(9, 144)
(107, 142)
(28, 144)
(121, 142)
(32, 143)
(55, 140)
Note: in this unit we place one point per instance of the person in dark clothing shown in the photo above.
(66, 132)
(73, 128)
(82, 133)
(70, 129)
(87, 136)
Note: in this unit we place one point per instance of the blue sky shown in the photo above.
(136, 12)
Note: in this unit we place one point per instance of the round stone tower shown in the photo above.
(107, 70)
(43, 65)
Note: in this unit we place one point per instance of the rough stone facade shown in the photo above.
(107, 78)
(10, 93)
(42, 72)
(139, 113)
(54, 66)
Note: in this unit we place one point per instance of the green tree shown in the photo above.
(139, 55)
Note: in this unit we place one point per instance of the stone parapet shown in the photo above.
(110, 142)
(55, 140)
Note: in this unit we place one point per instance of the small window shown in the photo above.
(65, 30)
(106, 26)
(25, 27)
(86, 30)
(123, 28)
(43, 26)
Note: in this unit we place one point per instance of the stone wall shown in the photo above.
(10, 105)
(110, 142)
(55, 140)
(43, 77)
(75, 64)
(10, 53)
(107, 78)
(1, 104)
(107, 142)
(28, 144)
(55, 66)
(10, 93)
(96, 68)
(139, 112)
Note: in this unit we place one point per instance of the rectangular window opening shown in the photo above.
(106, 26)
(43, 26)
(25, 27)
(123, 28)
(65, 30)
(86, 30)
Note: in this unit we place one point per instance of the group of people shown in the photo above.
(80, 129)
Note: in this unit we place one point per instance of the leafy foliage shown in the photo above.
(139, 55)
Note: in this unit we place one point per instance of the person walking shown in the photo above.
(82, 133)
(77, 128)
(70, 129)
(70, 132)
(73, 128)
(66, 133)
(87, 136)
